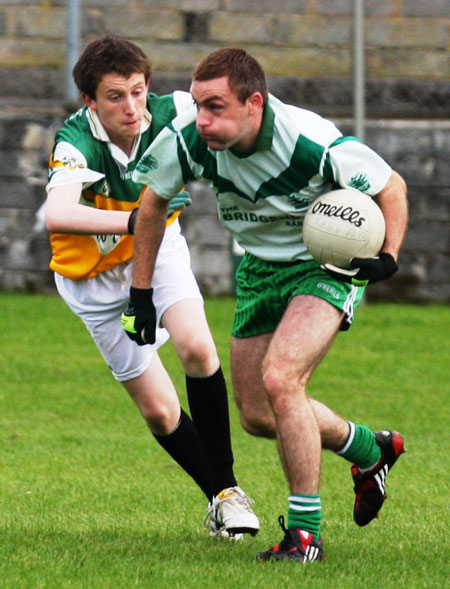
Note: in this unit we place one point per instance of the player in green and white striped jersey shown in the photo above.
(263, 193)
(266, 161)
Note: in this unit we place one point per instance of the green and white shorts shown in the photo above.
(264, 290)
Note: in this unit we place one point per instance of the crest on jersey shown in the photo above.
(298, 202)
(69, 162)
(147, 163)
(360, 182)
(106, 243)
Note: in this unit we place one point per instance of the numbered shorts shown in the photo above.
(100, 301)
(264, 290)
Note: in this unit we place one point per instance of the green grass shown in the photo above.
(88, 499)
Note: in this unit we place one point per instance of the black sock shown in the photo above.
(186, 448)
(208, 403)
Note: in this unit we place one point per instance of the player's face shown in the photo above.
(222, 120)
(120, 104)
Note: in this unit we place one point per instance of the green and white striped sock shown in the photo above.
(361, 447)
(305, 512)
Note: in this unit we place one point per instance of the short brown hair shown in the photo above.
(245, 75)
(109, 55)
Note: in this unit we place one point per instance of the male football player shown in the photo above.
(91, 209)
(266, 161)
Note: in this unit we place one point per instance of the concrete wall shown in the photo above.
(305, 47)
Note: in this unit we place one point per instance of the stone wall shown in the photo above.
(306, 50)
(25, 143)
(305, 45)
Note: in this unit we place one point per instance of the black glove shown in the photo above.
(178, 203)
(375, 269)
(139, 318)
(365, 270)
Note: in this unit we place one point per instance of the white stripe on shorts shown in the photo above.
(349, 303)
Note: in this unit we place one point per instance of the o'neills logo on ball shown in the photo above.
(348, 214)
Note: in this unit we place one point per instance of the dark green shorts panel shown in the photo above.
(264, 290)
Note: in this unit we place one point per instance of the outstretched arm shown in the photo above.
(65, 214)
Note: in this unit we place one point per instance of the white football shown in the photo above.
(341, 225)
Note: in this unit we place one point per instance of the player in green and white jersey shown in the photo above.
(266, 161)
(262, 198)
(90, 210)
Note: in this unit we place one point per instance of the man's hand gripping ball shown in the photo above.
(139, 318)
(365, 270)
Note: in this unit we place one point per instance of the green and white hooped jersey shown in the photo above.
(263, 194)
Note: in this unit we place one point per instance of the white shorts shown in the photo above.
(100, 301)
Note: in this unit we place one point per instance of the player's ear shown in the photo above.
(88, 101)
(255, 102)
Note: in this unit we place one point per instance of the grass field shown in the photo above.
(88, 499)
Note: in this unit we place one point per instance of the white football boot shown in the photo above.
(230, 514)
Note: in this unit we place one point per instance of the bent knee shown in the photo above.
(279, 382)
(261, 425)
(284, 390)
(199, 357)
(161, 421)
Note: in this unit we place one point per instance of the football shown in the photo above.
(341, 225)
